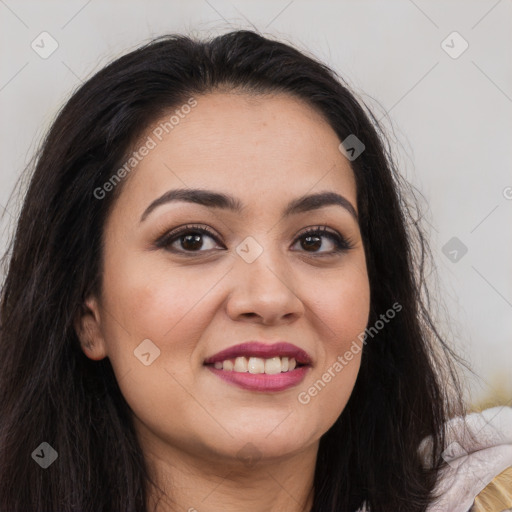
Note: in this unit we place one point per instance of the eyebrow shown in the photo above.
(212, 199)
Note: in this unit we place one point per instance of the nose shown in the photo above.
(263, 291)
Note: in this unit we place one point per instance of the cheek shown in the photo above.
(342, 301)
(169, 305)
(152, 302)
(341, 306)
(167, 308)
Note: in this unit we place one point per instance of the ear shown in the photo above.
(88, 330)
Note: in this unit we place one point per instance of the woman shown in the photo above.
(215, 299)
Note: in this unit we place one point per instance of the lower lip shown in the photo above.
(262, 381)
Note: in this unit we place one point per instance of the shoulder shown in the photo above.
(478, 477)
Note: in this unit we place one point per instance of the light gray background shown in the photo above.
(451, 117)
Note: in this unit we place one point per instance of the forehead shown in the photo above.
(260, 148)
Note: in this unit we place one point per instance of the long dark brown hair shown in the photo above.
(51, 392)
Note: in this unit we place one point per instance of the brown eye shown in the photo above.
(191, 242)
(312, 241)
(188, 239)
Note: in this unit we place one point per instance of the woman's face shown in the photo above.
(168, 307)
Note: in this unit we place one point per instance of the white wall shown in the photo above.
(452, 117)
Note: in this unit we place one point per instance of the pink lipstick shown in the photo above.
(258, 366)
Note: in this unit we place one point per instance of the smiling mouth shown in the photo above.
(258, 365)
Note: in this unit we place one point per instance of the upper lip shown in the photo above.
(263, 350)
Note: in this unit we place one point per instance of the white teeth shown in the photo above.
(273, 365)
(240, 364)
(257, 365)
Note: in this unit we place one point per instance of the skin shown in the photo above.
(266, 151)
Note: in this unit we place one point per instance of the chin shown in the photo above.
(269, 444)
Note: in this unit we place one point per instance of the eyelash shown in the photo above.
(342, 244)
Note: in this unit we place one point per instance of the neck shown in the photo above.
(198, 484)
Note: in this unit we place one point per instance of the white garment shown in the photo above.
(472, 463)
